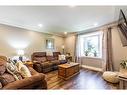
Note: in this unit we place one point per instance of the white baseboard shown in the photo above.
(92, 68)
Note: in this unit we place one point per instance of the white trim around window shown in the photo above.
(91, 45)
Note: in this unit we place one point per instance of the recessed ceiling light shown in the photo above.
(65, 33)
(40, 25)
(95, 24)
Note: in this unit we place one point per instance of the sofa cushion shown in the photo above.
(2, 69)
(39, 54)
(55, 58)
(46, 64)
(40, 59)
(50, 58)
(2, 66)
(55, 62)
(6, 78)
(56, 55)
(2, 62)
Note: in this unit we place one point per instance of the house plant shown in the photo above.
(86, 52)
(95, 53)
(123, 66)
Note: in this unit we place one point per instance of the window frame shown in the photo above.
(99, 34)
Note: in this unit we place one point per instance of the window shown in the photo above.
(91, 45)
(50, 43)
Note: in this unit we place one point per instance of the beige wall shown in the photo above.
(119, 52)
(13, 39)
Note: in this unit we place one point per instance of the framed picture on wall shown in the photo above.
(49, 43)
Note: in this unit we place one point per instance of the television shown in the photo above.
(122, 28)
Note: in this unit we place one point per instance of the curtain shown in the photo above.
(78, 58)
(107, 50)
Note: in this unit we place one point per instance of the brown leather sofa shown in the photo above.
(44, 63)
(36, 81)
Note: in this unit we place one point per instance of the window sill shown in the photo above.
(99, 58)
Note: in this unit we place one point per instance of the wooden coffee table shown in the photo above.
(66, 71)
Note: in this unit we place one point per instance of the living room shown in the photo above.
(62, 47)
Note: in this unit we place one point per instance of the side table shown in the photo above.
(69, 58)
(122, 81)
(29, 63)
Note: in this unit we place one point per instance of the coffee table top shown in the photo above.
(122, 75)
(68, 65)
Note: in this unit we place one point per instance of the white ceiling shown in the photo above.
(58, 19)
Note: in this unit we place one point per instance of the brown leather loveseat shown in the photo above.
(44, 63)
(36, 81)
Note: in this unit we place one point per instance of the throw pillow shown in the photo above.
(40, 59)
(12, 69)
(23, 70)
(19, 64)
(62, 57)
(49, 53)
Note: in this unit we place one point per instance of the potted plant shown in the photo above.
(95, 53)
(86, 52)
(123, 66)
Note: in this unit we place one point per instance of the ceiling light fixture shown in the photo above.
(40, 25)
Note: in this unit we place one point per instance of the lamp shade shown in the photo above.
(20, 52)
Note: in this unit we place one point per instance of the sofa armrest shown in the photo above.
(34, 61)
(33, 72)
(37, 67)
(20, 84)
(0, 85)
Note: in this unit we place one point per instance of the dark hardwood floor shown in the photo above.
(86, 79)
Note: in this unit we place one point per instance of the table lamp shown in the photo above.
(63, 48)
(20, 54)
